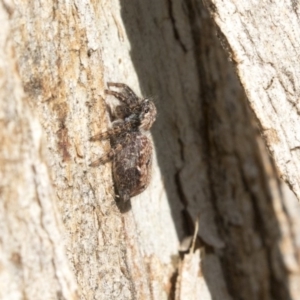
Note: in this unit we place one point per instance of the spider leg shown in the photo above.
(129, 96)
(119, 96)
(117, 129)
(121, 111)
(106, 157)
(101, 136)
(103, 159)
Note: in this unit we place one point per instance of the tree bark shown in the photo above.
(32, 256)
(212, 178)
(263, 40)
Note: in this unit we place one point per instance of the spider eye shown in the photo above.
(146, 110)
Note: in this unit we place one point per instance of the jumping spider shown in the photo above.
(131, 149)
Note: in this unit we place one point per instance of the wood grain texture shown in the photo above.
(32, 257)
(209, 162)
(71, 59)
(263, 39)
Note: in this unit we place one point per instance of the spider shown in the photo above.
(131, 149)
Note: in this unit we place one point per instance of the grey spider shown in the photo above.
(131, 149)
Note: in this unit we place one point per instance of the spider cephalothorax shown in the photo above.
(131, 151)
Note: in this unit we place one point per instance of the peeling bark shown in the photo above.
(263, 40)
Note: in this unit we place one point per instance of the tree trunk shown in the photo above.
(212, 178)
(263, 38)
(32, 257)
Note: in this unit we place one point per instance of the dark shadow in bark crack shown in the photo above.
(206, 143)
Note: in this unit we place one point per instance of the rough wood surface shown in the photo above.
(263, 38)
(33, 264)
(209, 164)
(72, 50)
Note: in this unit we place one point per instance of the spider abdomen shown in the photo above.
(132, 164)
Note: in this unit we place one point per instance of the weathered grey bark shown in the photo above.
(209, 164)
(263, 38)
(32, 257)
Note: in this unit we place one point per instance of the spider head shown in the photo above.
(147, 115)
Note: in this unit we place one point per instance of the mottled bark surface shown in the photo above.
(210, 165)
(263, 38)
(33, 264)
